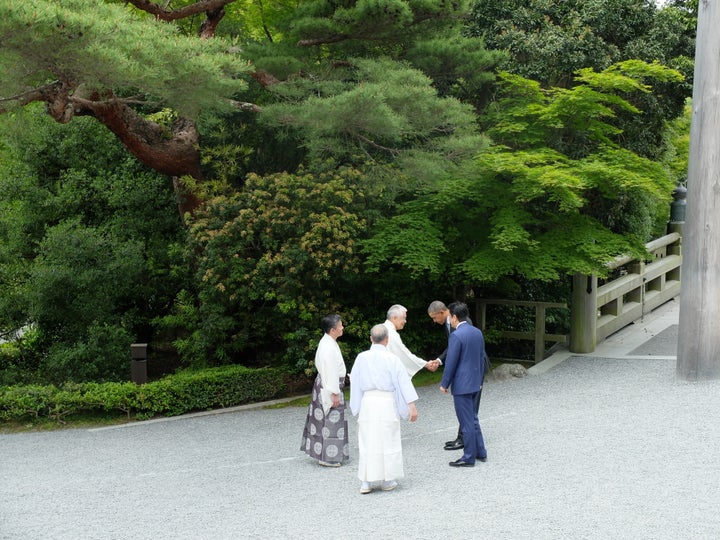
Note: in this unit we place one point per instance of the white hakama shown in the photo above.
(380, 391)
(379, 438)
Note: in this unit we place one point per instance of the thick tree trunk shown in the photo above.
(699, 332)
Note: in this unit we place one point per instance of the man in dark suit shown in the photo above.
(440, 314)
(463, 374)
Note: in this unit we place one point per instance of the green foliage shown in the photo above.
(269, 260)
(73, 259)
(91, 248)
(573, 121)
(19, 358)
(98, 354)
(84, 252)
(374, 25)
(459, 66)
(184, 392)
(382, 82)
(207, 389)
(79, 41)
(10, 367)
(21, 401)
(411, 239)
(383, 111)
(678, 145)
(550, 41)
(527, 206)
(257, 20)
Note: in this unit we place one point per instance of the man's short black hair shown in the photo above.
(460, 310)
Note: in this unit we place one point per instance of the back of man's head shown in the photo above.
(378, 333)
(460, 310)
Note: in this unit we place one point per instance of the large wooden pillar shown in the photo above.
(699, 333)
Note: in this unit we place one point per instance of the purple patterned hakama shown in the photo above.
(325, 437)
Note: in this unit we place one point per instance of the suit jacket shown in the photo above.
(449, 330)
(465, 361)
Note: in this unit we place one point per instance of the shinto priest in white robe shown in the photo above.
(380, 390)
(412, 362)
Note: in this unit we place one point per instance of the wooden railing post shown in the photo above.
(539, 333)
(480, 315)
(583, 314)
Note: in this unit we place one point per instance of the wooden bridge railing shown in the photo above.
(598, 311)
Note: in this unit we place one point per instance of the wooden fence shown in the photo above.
(538, 334)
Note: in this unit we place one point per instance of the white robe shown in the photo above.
(412, 363)
(331, 367)
(380, 390)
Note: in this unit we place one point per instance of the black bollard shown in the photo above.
(138, 364)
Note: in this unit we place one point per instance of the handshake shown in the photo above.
(432, 365)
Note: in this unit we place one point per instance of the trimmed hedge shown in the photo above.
(181, 393)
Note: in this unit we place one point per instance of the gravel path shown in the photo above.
(602, 446)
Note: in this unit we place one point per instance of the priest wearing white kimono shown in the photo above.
(325, 436)
(381, 393)
(396, 319)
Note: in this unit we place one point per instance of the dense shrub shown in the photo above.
(270, 262)
(173, 395)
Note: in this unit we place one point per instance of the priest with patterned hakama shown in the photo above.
(325, 437)
(381, 393)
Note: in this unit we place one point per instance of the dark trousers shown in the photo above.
(465, 409)
(477, 409)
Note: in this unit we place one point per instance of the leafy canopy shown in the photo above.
(532, 204)
(385, 112)
(84, 238)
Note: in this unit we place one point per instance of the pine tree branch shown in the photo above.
(164, 14)
(213, 9)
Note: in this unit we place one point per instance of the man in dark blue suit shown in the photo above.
(440, 314)
(464, 373)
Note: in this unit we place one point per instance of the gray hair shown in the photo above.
(378, 333)
(395, 311)
(436, 306)
(329, 322)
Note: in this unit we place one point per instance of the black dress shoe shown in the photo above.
(457, 444)
(483, 459)
(461, 463)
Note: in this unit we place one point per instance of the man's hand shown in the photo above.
(413, 412)
(432, 365)
(443, 390)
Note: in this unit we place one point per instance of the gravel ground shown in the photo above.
(603, 446)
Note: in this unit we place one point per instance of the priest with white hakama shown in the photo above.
(381, 393)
